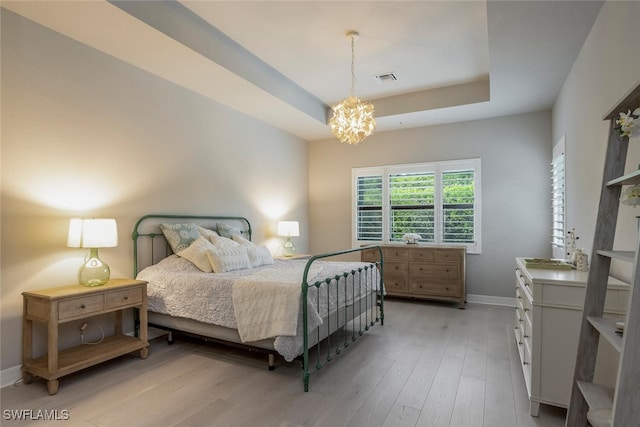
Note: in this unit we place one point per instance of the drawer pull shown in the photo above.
(526, 336)
(519, 296)
(526, 309)
(525, 363)
(83, 306)
(126, 297)
(519, 342)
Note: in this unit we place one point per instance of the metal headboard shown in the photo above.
(150, 245)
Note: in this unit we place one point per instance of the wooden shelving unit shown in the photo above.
(586, 395)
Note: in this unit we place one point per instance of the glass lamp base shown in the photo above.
(93, 272)
(289, 249)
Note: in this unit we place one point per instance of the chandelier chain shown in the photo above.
(353, 66)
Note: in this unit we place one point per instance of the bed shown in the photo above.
(256, 304)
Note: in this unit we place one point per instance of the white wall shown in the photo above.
(515, 152)
(86, 135)
(607, 68)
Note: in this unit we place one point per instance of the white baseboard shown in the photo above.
(10, 375)
(486, 299)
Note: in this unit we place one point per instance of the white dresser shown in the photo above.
(547, 326)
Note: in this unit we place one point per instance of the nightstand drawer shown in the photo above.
(123, 298)
(78, 307)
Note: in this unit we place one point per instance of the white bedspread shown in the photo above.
(178, 288)
(266, 303)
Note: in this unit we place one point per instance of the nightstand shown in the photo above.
(55, 306)
(296, 256)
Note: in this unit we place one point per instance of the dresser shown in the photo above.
(424, 272)
(547, 327)
(55, 306)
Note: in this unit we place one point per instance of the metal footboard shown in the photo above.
(366, 308)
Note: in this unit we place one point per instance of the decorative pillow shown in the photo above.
(197, 253)
(180, 236)
(258, 255)
(223, 260)
(206, 232)
(222, 242)
(226, 230)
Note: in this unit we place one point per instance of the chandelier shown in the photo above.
(352, 119)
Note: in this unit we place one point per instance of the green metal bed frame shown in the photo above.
(325, 351)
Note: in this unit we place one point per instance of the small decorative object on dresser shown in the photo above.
(55, 306)
(411, 238)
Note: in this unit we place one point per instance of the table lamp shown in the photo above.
(288, 229)
(93, 234)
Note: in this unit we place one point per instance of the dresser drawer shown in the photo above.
(422, 254)
(395, 268)
(448, 255)
(396, 254)
(435, 288)
(123, 298)
(78, 307)
(396, 285)
(370, 255)
(435, 270)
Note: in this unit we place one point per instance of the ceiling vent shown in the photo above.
(386, 77)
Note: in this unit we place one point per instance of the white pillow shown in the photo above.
(223, 260)
(197, 253)
(258, 255)
(222, 242)
(206, 232)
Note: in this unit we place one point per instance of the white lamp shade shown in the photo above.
(92, 233)
(288, 228)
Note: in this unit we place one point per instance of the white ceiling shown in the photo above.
(286, 62)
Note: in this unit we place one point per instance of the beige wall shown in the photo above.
(515, 152)
(86, 135)
(607, 68)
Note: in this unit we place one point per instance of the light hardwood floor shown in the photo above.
(429, 365)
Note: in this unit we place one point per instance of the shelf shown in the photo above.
(76, 358)
(632, 178)
(597, 396)
(607, 328)
(628, 256)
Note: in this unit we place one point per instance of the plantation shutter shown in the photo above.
(458, 201)
(412, 203)
(558, 201)
(439, 201)
(369, 208)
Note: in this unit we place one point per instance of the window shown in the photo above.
(558, 201)
(439, 201)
